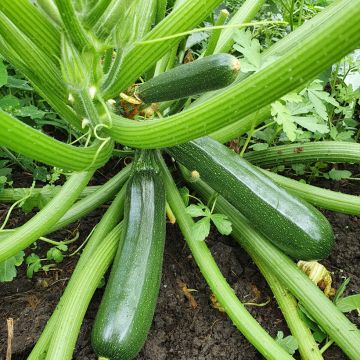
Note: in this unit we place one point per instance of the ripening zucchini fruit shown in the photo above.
(202, 75)
(293, 225)
(127, 307)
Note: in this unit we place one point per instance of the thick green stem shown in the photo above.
(223, 292)
(320, 308)
(72, 25)
(324, 45)
(106, 23)
(44, 220)
(11, 195)
(107, 224)
(95, 13)
(50, 9)
(160, 11)
(245, 14)
(242, 125)
(94, 200)
(23, 139)
(331, 151)
(308, 347)
(83, 207)
(323, 198)
(55, 97)
(24, 15)
(215, 35)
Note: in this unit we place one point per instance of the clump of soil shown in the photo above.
(187, 324)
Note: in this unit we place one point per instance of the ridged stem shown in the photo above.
(49, 8)
(331, 151)
(32, 56)
(23, 139)
(24, 15)
(72, 24)
(105, 24)
(84, 206)
(45, 88)
(45, 219)
(95, 13)
(242, 125)
(323, 198)
(11, 195)
(237, 312)
(186, 16)
(320, 308)
(244, 14)
(215, 34)
(106, 225)
(324, 45)
(307, 345)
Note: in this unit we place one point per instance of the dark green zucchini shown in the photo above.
(127, 307)
(293, 225)
(206, 74)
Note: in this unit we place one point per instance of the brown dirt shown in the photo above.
(178, 331)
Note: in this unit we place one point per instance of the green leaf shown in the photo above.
(9, 102)
(345, 135)
(222, 223)
(259, 146)
(318, 97)
(339, 174)
(55, 254)
(8, 267)
(31, 111)
(20, 84)
(3, 74)
(62, 247)
(299, 168)
(349, 303)
(184, 192)
(195, 210)
(310, 123)
(250, 48)
(283, 117)
(292, 97)
(201, 229)
(34, 265)
(341, 289)
(289, 343)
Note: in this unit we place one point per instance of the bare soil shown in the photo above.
(180, 330)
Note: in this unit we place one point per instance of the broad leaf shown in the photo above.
(349, 303)
(8, 267)
(195, 210)
(201, 229)
(222, 223)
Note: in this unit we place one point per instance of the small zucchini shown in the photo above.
(202, 75)
(127, 307)
(292, 224)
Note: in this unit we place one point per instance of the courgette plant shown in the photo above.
(82, 56)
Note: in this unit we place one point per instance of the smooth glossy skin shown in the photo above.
(127, 308)
(206, 74)
(293, 225)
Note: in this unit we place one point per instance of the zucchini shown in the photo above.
(127, 307)
(206, 74)
(292, 224)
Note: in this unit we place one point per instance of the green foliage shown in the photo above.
(8, 267)
(54, 254)
(201, 228)
(289, 343)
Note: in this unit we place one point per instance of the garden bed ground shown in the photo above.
(179, 330)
